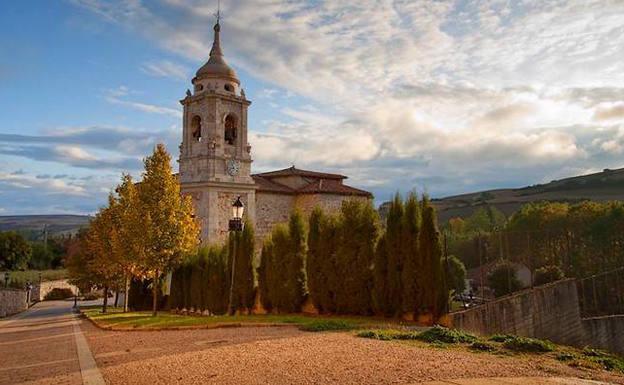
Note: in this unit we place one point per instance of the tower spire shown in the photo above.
(215, 52)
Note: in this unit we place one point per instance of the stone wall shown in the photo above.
(39, 292)
(605, 333)
(12, 301)
(271, 209)
(548, 312)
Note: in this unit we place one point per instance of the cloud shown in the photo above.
(98, 148)
(450, 95)
(612, 112)
(167, 69)
(115, 96)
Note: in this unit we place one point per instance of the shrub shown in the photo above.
(449, 336)
(482, 346)
(501, 337)
(327, 325)
(605, 360)
(388, 334)
(548, 274)
(524, 344)
(565, 357)
(58, 294)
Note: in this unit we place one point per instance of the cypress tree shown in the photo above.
(243, 290)
(435, 293)
(266, 274)
(410, 277)
(278, 283)
(195, 281)
(317, 282)
(331, 278)
(355, 257)
(380, 278)
(394, 251)
(297, 288)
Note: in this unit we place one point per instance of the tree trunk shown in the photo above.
(116, 297)
(126, 293)
(155, 295)
(105, 299)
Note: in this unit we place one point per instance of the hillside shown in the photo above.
(33, 225)
(602, 186)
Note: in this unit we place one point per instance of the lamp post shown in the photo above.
(235, 225)
(6, 278)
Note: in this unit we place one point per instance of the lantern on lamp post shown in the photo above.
(235, 225)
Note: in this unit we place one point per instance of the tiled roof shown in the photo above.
(331, 186)
(304, 173)
(265, 184)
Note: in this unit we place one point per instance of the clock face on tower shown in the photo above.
(233, 167)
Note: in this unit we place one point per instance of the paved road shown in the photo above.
(44, 345)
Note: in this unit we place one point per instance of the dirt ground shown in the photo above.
(285, 355)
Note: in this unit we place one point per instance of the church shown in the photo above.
(215, 161)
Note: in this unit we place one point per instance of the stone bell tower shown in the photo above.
(215, 157)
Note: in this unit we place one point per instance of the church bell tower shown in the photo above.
(215, 157)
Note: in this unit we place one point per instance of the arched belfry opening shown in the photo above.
(230, 129)
(196, 128)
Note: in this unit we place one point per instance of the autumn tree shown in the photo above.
(170, 230)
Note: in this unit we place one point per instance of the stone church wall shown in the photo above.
(271, 209)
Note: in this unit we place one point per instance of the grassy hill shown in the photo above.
(607, 185)
(33, 225)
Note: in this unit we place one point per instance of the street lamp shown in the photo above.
(6, 278)
(235, 225)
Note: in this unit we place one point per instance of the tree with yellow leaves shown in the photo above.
(169, 229)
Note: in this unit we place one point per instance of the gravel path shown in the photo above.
(270, 355)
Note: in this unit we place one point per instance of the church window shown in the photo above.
(229, 88)
(196, 128)
(230, 129)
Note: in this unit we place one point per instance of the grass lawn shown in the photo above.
(116, 319)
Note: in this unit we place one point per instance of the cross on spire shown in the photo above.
(218, 14)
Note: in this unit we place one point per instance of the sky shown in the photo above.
(443, 97)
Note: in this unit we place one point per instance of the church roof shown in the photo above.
(216, 65)
(318, 183)
(290, 171)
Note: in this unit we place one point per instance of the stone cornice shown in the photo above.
(211, 94)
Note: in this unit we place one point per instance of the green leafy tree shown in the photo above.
(394, 253)
(456, 275)
(317, 281)
(15, 251)
(503, 279)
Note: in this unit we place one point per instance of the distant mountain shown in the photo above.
(33, 225)
(607, 185)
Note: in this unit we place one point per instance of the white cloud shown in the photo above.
(166, 68)
(115, 96)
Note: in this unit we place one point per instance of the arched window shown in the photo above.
(196, 128)
(230, 130)
(229, 88)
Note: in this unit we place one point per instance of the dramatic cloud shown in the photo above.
(447, 96)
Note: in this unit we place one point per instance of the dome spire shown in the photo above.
(216, 67)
